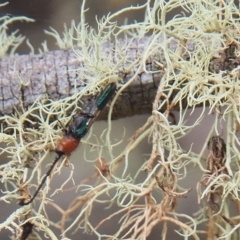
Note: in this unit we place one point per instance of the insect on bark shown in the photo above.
(77, 129)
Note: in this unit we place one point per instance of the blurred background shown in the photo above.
(55, 13)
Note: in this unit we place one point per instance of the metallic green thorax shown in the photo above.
(105, 96)
(79, 126)
(81, 123)
(77, 129)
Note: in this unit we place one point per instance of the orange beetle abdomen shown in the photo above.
(67, 145)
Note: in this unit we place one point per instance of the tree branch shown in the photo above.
(52, 75)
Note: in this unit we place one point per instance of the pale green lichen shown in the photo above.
(210, 28)
(10, 42)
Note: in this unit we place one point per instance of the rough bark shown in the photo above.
(25, 78)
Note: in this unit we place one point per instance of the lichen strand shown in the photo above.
(203, 70)
(10, 42)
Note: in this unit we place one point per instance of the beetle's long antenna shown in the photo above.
(75, 132)
(22, 203)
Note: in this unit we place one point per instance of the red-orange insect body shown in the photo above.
(67, 145)
(76, 130)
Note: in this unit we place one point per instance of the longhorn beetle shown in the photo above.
(76, 130)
